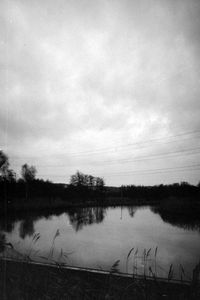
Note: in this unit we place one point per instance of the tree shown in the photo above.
(91, 180)
(28, 173)
(11, 175)
(5, 172)
(83, 180)
(78, 179)
(99, 183)
(4, 164)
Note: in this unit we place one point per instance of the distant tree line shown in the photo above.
(28, 187)
(154, 193)
(82, 188)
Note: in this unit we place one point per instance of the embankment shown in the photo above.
(28, 280)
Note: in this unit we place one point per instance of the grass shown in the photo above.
(30, 281)
(27, 280)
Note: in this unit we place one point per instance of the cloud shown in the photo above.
(79, 75)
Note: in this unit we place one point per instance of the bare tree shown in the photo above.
(4, 163)
(28, 173)
(80, 179)
(5, 172)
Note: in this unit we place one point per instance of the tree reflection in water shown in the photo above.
(80, 217)
(189, 221)
(2, 241)
(26, 228)
(7, 225)
(132, 210)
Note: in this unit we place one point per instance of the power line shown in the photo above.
(159, 169)
(150, 173)
(159, 172)
(155, 156)
(176, 153)
(145, 172)
(117, 147)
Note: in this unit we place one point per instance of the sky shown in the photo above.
(109, 88)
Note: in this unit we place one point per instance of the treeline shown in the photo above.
(39, 191)
(183, 189)
(81, 189)
(28, 188)
(45, 193)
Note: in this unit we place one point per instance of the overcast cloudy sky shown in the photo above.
(110, 88)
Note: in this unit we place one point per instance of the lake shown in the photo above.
(97, 237)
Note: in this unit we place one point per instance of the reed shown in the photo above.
(34, 240)
(49, 284)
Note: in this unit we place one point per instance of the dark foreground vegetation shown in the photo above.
(26, 280)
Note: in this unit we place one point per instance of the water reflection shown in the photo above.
(2, 241)
(132, 210)
(7, 224)
(185, 221)
(80, 217)
(26, 228)
(26, 225)
(119, 229)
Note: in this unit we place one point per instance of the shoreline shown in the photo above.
(41, 281)
(39, 203)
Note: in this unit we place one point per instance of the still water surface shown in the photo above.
(97, 237)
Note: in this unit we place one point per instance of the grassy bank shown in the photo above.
(26, 280)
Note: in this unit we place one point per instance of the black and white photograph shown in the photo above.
(99, 149)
